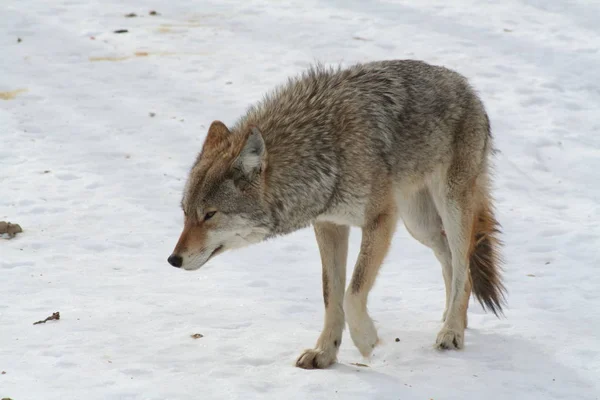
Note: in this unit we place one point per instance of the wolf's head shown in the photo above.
(223, 201)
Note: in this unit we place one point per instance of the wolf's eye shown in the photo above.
(209, 215)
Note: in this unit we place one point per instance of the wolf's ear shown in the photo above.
(249, 163)
(217, 132)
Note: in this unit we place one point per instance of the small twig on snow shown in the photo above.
(54, 316)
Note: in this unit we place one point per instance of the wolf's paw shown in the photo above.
(315, 359)
(449, 339)
(364, 337)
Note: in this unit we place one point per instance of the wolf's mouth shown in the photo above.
(215, 252)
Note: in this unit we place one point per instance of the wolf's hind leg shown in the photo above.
(457, 210)
(333, 247)
(424, 223)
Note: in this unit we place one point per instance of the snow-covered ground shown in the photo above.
(95, 182)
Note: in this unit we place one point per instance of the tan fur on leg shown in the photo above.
(376, 238)
(456, 210)
(333, 247)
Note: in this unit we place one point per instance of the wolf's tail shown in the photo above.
(485, 260)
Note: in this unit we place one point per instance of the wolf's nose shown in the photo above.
(175, 260)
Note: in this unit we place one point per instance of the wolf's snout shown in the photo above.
(175, 260)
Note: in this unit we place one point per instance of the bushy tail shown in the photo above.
(485, 260)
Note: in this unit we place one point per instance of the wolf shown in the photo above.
(362, 146)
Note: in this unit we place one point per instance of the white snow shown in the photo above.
(100, 223)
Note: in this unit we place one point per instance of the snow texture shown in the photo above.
(95, 180)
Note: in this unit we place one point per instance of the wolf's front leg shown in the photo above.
(333, 246)
(376, 238)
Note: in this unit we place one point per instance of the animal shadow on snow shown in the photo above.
(493, 365)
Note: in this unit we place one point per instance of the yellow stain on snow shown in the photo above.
(168, 28)
(198, 21)
(12, 94)
(121, 58)
(110, 58)
(139, 54)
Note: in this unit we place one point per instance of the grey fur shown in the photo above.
(361, 146)
(330, 131)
